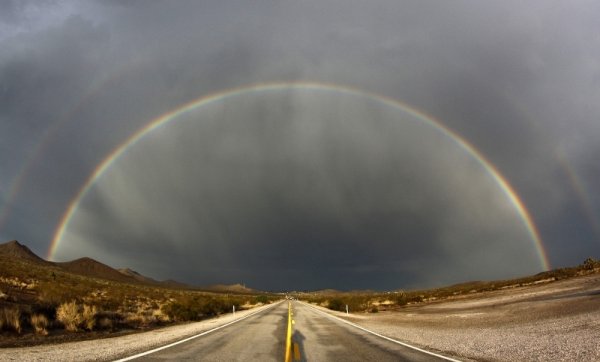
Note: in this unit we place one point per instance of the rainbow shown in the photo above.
(581, 191)
(269, 87)
(35, 155)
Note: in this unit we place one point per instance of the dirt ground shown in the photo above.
(558, 321)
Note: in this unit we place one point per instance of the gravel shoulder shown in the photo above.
(109, 349)
(558, 321)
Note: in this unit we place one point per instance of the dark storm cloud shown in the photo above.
(517, 80)
(331, 185)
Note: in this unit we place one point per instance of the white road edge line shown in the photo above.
(380, 335)
(197, 335)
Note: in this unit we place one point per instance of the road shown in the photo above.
(315, 337)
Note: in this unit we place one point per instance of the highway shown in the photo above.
(315, 336)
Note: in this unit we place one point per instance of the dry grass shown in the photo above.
(10, 319)
(39, 322)
(76, 317)
(88, 316)
(68, 314)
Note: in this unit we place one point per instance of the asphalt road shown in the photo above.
(315, 337)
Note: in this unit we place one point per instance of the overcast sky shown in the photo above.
(304, 188)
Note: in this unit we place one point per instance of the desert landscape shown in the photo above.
(300, 180)
(546, 321)
(44, 302)
(49, 308)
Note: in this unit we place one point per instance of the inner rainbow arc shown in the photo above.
(162, 120)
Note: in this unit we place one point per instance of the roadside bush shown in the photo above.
(198, 307)
(214, 307)
(10, 319)
(261, 299)
(180, 312)
(39, 322)
(400, 298)
(359, 303)
(88, 316)
(105, 323)
(336, 304)
(590, 264)
(68, 314)
(107, 320)
(75, 317)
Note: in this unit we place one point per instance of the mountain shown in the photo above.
(137, 276)
(15, 250)
(92, 268)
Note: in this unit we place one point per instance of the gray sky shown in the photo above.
(306, 188)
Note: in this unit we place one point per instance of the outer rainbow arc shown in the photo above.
(34, 155)
(501, 181)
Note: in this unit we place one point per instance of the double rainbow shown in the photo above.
(272, 87)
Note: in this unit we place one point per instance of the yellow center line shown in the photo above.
(288, 338)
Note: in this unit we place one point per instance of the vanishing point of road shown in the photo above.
(315, 336)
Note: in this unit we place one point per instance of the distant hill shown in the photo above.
(147, 280)
(137, 276)
(92, 268)
(326, 291)
(14, 249)
(231, 288)
(175, 284)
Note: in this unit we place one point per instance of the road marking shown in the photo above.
(380, 335)
(195, 336)
(288, 337)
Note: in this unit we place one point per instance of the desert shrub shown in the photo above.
(75, 317)
(215, 306)
(68, 314)
(159, 316)
(39, 322)
(108, 320)
(55, 293)
(336, 304)
(109, 304)
(136, 321)
(400, 298)
(180, 312)
(415, 298)
(143, 318)
(198, 307)
(48, 310)
(88, 316)
(374, 309)
(358, 303)
(10, 319)
(105, 323)
(590, 264)
(261, 299)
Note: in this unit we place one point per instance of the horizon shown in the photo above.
(214, 284)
